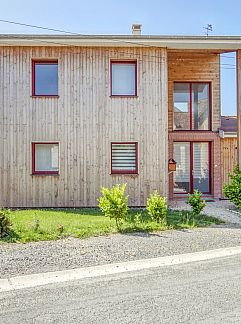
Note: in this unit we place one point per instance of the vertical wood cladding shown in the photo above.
(84, 120)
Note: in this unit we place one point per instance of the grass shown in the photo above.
(52, 224)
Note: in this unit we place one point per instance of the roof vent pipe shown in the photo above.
(136, 29)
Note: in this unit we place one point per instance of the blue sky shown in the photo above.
(173, 17)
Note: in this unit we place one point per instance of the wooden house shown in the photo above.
(81, 112)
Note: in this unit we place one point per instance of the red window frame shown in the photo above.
(34, 62)
(125, 171)
(123, 62)
(191, 113)
(191, 167)
(34, 172)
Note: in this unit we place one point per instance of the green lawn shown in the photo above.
(51, 224)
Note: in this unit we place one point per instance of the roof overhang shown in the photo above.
(223, 43)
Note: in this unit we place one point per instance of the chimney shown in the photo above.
(136, 29)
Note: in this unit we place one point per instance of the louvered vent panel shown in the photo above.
(124, 157)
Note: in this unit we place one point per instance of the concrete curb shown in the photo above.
(40, 279)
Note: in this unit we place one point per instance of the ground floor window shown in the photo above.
(193, 167)
(45, 158)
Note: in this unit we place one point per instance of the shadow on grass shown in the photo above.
(91, 211)
(12, 237)
(78, 211)
(183, 221)
(179, 218)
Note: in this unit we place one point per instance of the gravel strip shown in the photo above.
(20, 259)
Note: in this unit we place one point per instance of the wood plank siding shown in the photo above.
(229, 157)
(84, 119)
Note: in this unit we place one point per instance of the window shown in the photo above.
(193, 167)
(45, 78)
(45, 158)
(123, 78)
(124, 158)
(191, 106)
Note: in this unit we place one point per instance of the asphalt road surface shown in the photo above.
(198, 292)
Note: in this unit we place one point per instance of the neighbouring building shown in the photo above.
(229, 146)
(81, 112)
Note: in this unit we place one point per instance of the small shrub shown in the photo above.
(196, 202)
(137, 219)
(113, 203)
(60, 229)
(157, 207)
(5, 224)
(233, 190)
(188, 219)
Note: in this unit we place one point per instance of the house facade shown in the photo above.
(81, 112)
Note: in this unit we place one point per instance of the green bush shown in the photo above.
(233, 190)
(114, 203)
(5, 224)
(157, 207)
(196, 202)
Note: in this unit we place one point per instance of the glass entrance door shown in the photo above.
(193, 167)
(182, 179)
(201, 169)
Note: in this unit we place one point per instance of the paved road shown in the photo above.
(199, 292)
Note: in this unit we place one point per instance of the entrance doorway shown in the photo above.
(193, 167)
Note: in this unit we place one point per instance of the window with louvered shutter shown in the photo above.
(124, 158)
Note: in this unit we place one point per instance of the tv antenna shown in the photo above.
(208, 29)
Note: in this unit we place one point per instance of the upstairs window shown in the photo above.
(124, 158)
(124, 78)
(192, 106)
(45, 78)
(45, 158)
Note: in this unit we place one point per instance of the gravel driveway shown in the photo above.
(17, 259)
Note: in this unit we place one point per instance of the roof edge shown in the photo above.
(172, 42)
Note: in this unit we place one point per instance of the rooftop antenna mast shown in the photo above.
(208, 28)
